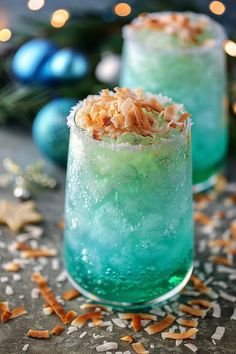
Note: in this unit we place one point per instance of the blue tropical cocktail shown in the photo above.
(181, 55)
(129, 233)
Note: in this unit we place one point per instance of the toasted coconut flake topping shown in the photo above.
(182, 335)
(57, 330)
(139, 348)
(192, 311)
(70, 294)
(38, 334)
(179, 25)
(161, 325)
(126, 111)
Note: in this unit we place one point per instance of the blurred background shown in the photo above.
(54, 53)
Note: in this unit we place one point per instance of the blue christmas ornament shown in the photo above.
(65, 64)
(50, 131)
(30, 57)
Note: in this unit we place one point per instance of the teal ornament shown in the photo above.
(50, 131)
(65, 65)
(30, 57)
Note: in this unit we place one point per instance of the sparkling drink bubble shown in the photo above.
(189, 72)
(129, 233)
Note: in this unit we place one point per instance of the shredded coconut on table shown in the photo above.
(219, 332)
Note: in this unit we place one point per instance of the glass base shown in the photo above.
(135, 306)
(203, 186)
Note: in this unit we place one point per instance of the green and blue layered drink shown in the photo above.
(181, 55)
(129, 233)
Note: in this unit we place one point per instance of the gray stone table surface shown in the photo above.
(19, 146)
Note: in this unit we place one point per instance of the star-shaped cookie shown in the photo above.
(16, 215)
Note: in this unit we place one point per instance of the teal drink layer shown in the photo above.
(129, 234)
(192, 75)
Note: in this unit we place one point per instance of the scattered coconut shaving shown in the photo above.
(35, 253)
(192, 311)
(187, 322)
(57, 330)
(11, 267)
(216, 310)
(70, 294)
(106, 346)
(139, 348)
(202, 218)
(128, 339)
(227, 296)
(220, 243)
(218, 333)
(233, 229)
(198, 284)
(233, 316)
(89, 306)
(161, 325)
(204, 303)
(25, 348)
(182, 335)
(80, 321)
(48, 296)
(192, 347)
(221, 260)
(39, 334)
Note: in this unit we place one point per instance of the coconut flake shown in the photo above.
(9, 290)
(16, 277)
(192, 347)
(118, 322)
(218, 333)
(106, 346)
(4, 279)
(25, 347)
(227, 296)
(216, 310)
(61, 277)
(233, 316)
(82, 335)
(35, 293)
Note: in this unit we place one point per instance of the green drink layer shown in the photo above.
(129, 234)
(190, 72)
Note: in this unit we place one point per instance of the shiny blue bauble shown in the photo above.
(29, 58)
(65, 65)
(50, 131)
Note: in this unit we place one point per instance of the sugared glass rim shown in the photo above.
(131, 147)
(129, 33)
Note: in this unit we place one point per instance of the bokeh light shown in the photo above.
(217, 7)
(122, 9)
(234, 107)
(59, 18)
(5, 35)
(230, 48)
(35, 5)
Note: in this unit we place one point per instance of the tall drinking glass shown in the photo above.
(160, 57)
(129, 233)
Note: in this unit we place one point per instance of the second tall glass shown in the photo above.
(193, 75)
